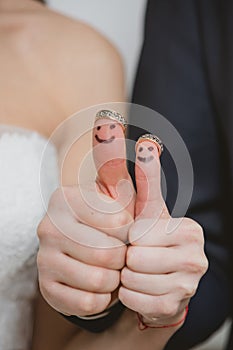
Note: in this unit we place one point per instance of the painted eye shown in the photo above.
(140, 149)
(150, 148)
(98, 127)
(112, 126)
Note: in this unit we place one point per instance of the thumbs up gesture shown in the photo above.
(119, 238)
(83, 236)
(162, 269)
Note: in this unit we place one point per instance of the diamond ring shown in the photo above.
(105, 113)
(153, 138)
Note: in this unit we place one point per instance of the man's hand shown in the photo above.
(166, 259)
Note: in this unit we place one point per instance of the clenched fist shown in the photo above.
(165, 259)
(104, 237)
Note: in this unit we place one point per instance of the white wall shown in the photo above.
(120, 20)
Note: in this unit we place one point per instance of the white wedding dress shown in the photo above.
(25, 187)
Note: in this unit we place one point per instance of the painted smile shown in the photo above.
(145, 159)
(104, 141)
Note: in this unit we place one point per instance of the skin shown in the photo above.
(145, 158)
(37, 46)
(155, 275)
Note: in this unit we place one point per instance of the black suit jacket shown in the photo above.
(186, 73)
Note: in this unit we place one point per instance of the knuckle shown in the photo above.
(93, 303)
(187, 290)
(192, 264)
(171, 310)
(121, 219)
(57, 195)
(110, 257)
(47, 289)
(196, 264)
(130, 257)
(60, 202)
(167, 309)
(56, 200)
(204, 265)
(89, 303)
(46, 229)
(195, 238)
(190, 226)
(98, 280)
(125, 275)
(40, 260)
(103, 256)
(43, 227)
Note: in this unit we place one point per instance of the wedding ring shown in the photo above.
(109, 114)
(153, 138)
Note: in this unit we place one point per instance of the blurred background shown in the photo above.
(122, 22)
(119, 20)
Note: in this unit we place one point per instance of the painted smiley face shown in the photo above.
(145, 159)
(101, 140)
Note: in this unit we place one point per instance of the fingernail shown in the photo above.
(152, 138)
(110, 114)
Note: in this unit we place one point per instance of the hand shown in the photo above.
(162, 269)
(82, 237)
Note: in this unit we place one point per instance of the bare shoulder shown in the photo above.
(87, 63)
(58, 64)
(82, 35)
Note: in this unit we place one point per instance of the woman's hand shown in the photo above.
(82, 237)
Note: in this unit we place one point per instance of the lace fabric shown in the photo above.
(21, 209)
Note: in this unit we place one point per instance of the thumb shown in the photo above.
(109, 153)
(149, 199)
